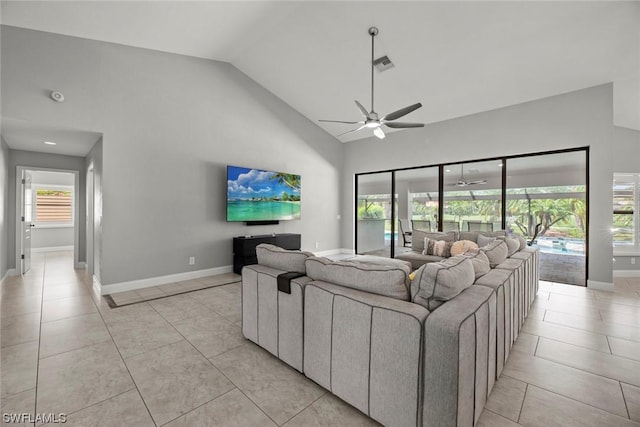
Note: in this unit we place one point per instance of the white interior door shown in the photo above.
(27, 220)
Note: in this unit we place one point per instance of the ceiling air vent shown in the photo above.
(383, 63)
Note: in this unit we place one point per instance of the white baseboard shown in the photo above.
(52, 249)
(338, 251)
(626, 273)
(10, 272)
(600, 286)
(96, 285)
(162, 280)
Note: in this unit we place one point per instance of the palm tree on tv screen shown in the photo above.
(288, 179)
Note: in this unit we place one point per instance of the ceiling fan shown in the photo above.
(464, 183)
(371, 118)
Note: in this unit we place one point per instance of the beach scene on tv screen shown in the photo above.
(259, 195)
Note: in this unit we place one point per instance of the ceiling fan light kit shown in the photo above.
(371, 118)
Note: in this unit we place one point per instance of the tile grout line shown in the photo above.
(526, 389)
(572, 399)
(44, 272)
(216, 368)
(582, 369)
(123, 362)
(624, 399)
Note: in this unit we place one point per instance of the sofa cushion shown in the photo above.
(481, 264)
(462, 246)
(438, 282)
(513, 245)
(416, 259)
(417, 238)
(437, 247)
(521, 240)
(473, 235)
(282, 259)
(496, 251)
(388, 280)
(485, 240)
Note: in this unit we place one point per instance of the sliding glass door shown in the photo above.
(547, 194)
(418, 199)
(373, 215)
(541, 196)
(473, 196)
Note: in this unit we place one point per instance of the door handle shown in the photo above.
(32, 225)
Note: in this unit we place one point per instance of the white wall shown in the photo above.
(170, 126)
(577, 119)
(4, 206)
(94, 240)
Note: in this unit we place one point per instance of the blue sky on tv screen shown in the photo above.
(245, 183)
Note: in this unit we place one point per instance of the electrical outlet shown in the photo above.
(192, 260)
(317, 245)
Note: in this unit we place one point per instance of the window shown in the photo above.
(54, 206)
(625, 208)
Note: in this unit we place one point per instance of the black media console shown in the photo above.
(244, 247)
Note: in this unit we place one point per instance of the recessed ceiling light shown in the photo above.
(500, 164)
(447, 170)
(50, 143)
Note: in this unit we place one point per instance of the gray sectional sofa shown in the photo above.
(414, 349)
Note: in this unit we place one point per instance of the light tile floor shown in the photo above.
(182, 360)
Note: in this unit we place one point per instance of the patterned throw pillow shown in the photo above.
(462, 246)
(437, 247)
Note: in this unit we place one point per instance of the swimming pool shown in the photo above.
(554, 245)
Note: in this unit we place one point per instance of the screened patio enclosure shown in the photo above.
(514, 193)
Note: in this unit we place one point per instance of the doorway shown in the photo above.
(47, 213)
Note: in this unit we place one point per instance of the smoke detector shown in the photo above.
(383, 63)
(57, 96)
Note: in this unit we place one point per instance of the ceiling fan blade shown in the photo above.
(482, 181)
(350, 131)
(403, 125)
(339, 121)
(364, 111)
(402, 112)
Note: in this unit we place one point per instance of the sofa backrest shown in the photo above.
(473, 235)
(282, 259)
(387, 280)
(417, 238)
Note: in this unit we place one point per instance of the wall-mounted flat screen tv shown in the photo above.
(260, 195)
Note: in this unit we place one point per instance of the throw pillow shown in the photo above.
(437, 282)
(437, 247)
(462, 246)
(481, 264)
(485, 240)
(521, 240)
(496, 251)
(513, 245)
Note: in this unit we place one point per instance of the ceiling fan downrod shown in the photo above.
(373, 32)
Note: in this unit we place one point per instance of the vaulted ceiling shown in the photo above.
(457, 58)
